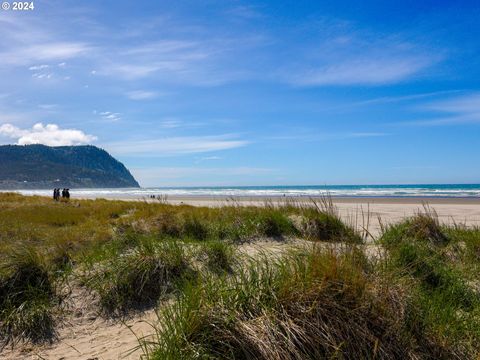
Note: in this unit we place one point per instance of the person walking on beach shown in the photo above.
(64, 193)
(55, 194)
(67, 193)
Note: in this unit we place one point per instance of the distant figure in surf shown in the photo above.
(64, 193)
(67, 193)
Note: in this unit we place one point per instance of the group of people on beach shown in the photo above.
(65, 194)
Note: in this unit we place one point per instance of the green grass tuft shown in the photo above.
(426, 255)
(306, 306)
(27, 297)
(220, 256)
(139, 277)
(325, 226)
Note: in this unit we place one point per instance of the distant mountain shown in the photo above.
(44, 167)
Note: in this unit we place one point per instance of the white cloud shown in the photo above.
(141, 95)
(109, 116)
(38, 67)
(42, 75)
(50, 134)
(176, 145)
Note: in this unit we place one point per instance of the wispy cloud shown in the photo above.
(192, 61)
(366, 71)
(343, 55)
(172, 176)
(45, 71)
(50, 134)
(32, 53)
(363, 135)
(208, 158)
(313, 135)
(457, 110)
(42, 75)
(338, 55)
(245, 12)
(38, 67)
(171, 146)
(141, 95)
(108, 115)
(467, 104)
(48, 107)
(170, 123)
(402, 98)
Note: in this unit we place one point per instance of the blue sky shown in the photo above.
(251, 93)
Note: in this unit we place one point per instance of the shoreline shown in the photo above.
(417, 200)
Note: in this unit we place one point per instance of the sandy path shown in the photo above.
(97, 339)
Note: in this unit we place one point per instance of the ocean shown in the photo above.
(423, 190)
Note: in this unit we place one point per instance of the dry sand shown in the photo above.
(84, 335)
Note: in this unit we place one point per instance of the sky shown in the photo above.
(197, 93)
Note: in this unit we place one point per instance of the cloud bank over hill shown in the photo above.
(50, 134)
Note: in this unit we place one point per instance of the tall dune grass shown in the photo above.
(419, 300)
(308, 305)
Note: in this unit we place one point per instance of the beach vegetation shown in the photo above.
(314, 294)
(28, 295)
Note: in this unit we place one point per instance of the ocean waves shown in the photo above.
(451, 190)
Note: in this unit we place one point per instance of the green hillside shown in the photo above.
(40, 166)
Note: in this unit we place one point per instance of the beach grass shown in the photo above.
(419, 297)
(311, 304)
(137, 278)
(441, 272)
